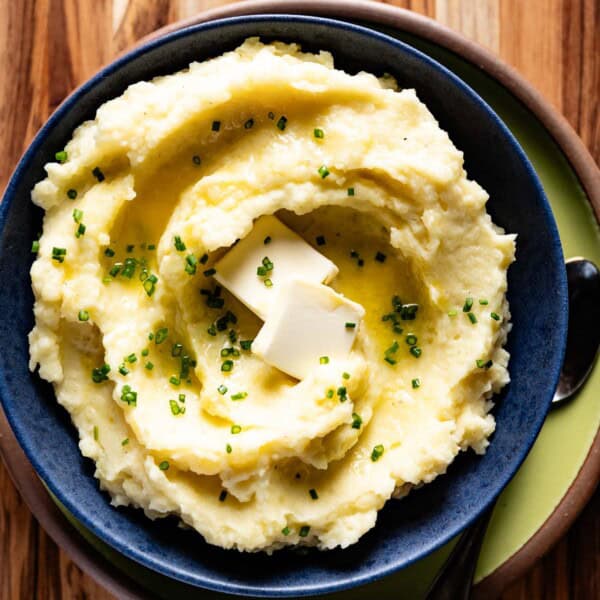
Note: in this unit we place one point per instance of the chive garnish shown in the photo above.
(377, 452)
(228, 448)
(100, 374)
(285, 531)
(380, 257)
(176, 349)
(161, 335)
(342, 393)
(495, 316)
(204, 258)
(80, 230)
(174, 380)
(96, 432)
(150, 284)
(349, 325)
(320, 239)
(190, 264)
(267, 240)
(346, 375)
(452, 313)
(123, 369)
(179, 245)
(149, 365)
(239, 396)
(483, 302)
(468, 304)
(151, 246)
(246, 344)
(223, 496)
(196, 160)
(209, 272)
(235, 429)
(35, 246)
(216, 125)
(98, 174)
(416, 351)
(83, 315)
(313, 494)
(304, 530)
(281, 124)
(227, 366)
(176, 409)
(164, 465)
(323, 360)
(145, 352)
(109, 252)
(211, 330)
(129, 396)
(318, 133)
(416, 383)
(482, 364)
(271, 115)
(71, 194)
(131, 358)
(472, 317)
(58, 254)
(330, 393)
(268, 283)
(249, 124)
(323, 171)
(129, 248)
(222, 389)
(390, 360)
(125, 442)
(61, 156)
(350, 191)
(411, 339)
(356, 421)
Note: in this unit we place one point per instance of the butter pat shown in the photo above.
(289, 254)
(307, 322)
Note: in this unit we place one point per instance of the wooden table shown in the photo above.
(50, 46)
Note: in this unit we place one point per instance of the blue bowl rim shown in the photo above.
(561, 301)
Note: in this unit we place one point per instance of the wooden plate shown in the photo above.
(493, 576)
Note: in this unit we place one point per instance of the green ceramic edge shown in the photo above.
(556, 458)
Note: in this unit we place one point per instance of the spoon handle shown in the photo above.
(455, 579)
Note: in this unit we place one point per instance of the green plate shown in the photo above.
(568, 432)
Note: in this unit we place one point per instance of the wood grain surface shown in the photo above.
(47, 47)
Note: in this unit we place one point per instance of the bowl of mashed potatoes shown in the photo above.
(295, 286)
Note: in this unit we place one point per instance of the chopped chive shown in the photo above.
(267, 240)
(196, 160)
(271, 115)
(304, 530)
(281, 124)
(114, 270)
(468, 304)
(249, 124)
(150, 336)
(164, 465)
(216, 125)
(246, 344)
(83, 315)
(190, 264)
(100, 374)
(350, 191)
(239, 396)
(323, 171)
(330, 393)
(495, 316)
(222, 389)
(96, 432)
(150, 284)
(408, 312)
(71, 194)
(129, 248)
(223, 496)
(452, 313)
(342, 393)
(483, 302)
(285, 531)
(377, 452)
(268, 283)
(109, 252)
(129, 268)
(380, 257)
(482, 364)
(416, 351)
(145, 352)
(149, 365)
(204, 258)
(360, 262)
(129, 396)
(228, 448)
(174, 380)
(318, 133)
(320, 239)
(393, 348)
(58, 254)
(211, 330)
(313, 494)
(151, 246)
(472, 317)
(356, 421)
(123, 369)
(35, 246)
(175, 408)
(227, 366)
(209, 272)
(61, 156)
(98, 174)
(411, 339)
(125, 442)
(416, 383)
(176, 349)
(131, 358)
(161, 335)
(323, 360)
(235, 429)
(346, 375)
(179, 245)
(390, 360)
(80, 230)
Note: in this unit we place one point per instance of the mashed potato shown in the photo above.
(131, 330)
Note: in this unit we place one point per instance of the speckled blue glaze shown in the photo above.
(406, 530)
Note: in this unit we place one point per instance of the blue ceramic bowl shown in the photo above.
(406, 530)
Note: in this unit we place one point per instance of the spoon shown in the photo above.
(455, 579)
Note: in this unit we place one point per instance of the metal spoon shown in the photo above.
(455, 579)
